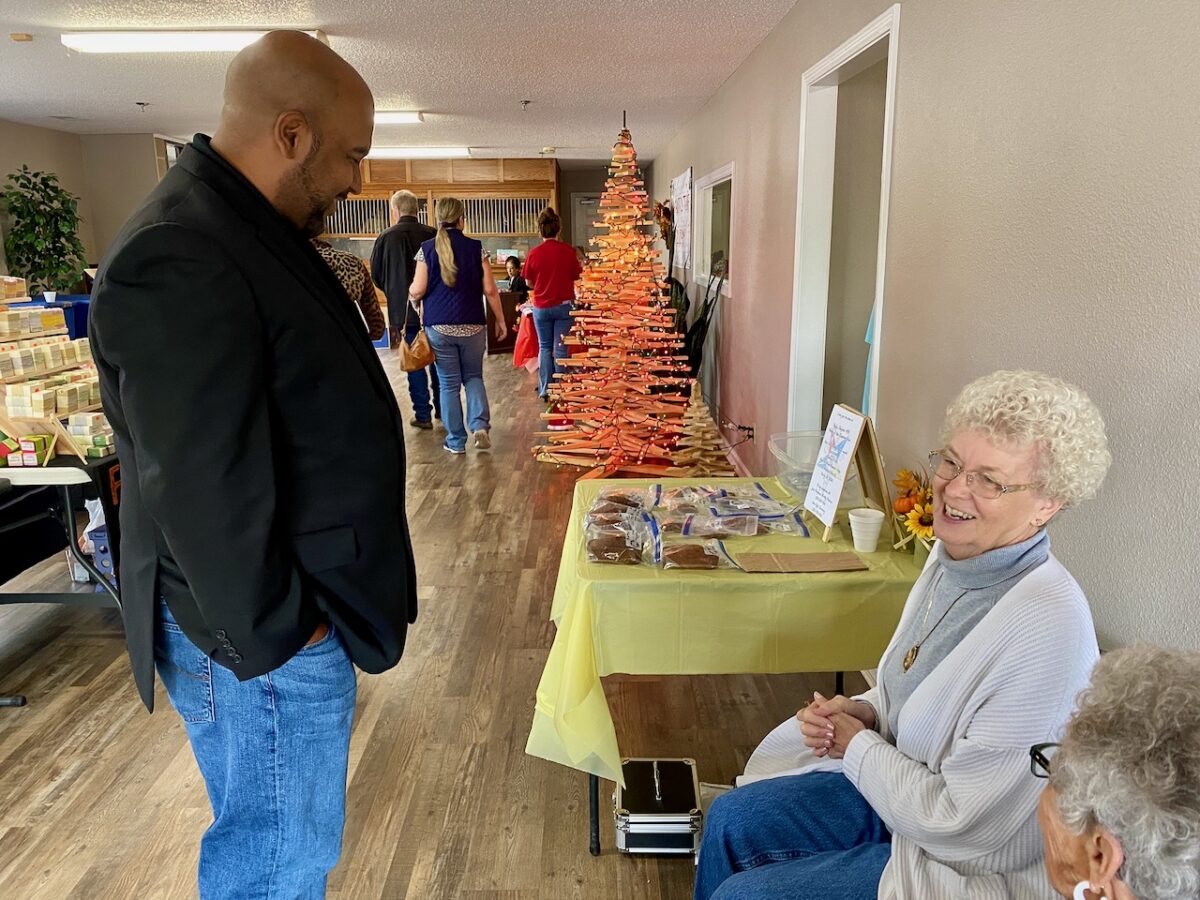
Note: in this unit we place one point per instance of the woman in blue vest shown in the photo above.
(452, 277)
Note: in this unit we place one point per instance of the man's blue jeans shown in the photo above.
(551, 324)
(460, 365)
(422, 384)
(273, 752)
(803, 837)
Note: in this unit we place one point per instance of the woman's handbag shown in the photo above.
(418, 354)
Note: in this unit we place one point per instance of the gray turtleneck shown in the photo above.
(976, 584)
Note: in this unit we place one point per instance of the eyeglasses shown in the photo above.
(947, 468)
(1040, 757)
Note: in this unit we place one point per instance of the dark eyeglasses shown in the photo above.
(1040, 757)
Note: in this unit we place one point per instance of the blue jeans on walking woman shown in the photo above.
(800, 837)
(551, 324)
(460, 365)
(273, 752)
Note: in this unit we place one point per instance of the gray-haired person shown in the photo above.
(920, 787)
(1121, 815)
(393, 263)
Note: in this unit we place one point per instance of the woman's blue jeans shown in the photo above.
(551, 324)
(459, 363)
(801, 837)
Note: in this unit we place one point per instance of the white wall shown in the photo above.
(1045, 212)
(121, 171)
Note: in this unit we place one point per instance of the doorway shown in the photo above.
(847, 105)
(585, 213)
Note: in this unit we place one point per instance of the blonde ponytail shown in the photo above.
(448, 211)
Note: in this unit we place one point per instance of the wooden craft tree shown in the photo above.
(701, 449)
(624, 387)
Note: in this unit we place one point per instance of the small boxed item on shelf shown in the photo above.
(8, 446)
(12, 288)
(35, 449)
(88, 423)
(31, 321)
(42, 354)
(92, 435)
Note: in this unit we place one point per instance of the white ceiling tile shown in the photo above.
(467, 65)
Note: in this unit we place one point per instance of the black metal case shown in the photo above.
(658, 810)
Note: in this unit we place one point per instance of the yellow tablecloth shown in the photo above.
(647, 621)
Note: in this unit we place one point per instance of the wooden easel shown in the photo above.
(869, 464)
(60, 438)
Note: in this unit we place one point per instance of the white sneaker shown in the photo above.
(483, 440)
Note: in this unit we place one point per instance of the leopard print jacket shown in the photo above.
(352, 273)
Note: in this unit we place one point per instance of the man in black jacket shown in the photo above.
(264, 546)
(392, 267)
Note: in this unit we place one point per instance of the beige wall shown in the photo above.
(1045, 212)
(854, 244)
(121, 171)
(46, 150)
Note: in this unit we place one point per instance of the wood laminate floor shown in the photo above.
(100, 801)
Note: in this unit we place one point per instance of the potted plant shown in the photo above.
(42, 244)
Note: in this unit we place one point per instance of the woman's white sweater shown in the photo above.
(955, 789)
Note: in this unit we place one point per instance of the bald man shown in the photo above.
(264, 546)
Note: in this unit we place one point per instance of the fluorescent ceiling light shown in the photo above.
(163, 41)
(418, 152)
(398, 118)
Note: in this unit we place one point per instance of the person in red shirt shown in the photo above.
(551, 272)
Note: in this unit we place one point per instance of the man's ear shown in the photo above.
(292, 135)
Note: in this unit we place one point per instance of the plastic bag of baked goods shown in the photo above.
(792, 523)
(633, 498)
(696, 525)
(696, 555)
(608, 514)
(692, 498)
(750, 506)
(633, 540)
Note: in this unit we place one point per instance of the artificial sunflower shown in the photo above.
(907, 482)
(919, 521)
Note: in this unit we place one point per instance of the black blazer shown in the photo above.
(260, 442)
(393, 264)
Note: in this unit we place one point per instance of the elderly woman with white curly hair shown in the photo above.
(920, 788)
(1121, 814)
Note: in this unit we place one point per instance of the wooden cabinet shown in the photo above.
(509, 300)
(502, 196)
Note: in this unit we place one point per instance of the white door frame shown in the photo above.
(699, 274)
(814, 214)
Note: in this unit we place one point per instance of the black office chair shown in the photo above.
(5, 488)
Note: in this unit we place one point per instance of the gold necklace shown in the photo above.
(910, 658)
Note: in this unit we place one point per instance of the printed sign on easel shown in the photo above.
(849, 440)
(838, 447)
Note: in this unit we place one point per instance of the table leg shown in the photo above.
(73, 546)
(839, 683)
(594, 814)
